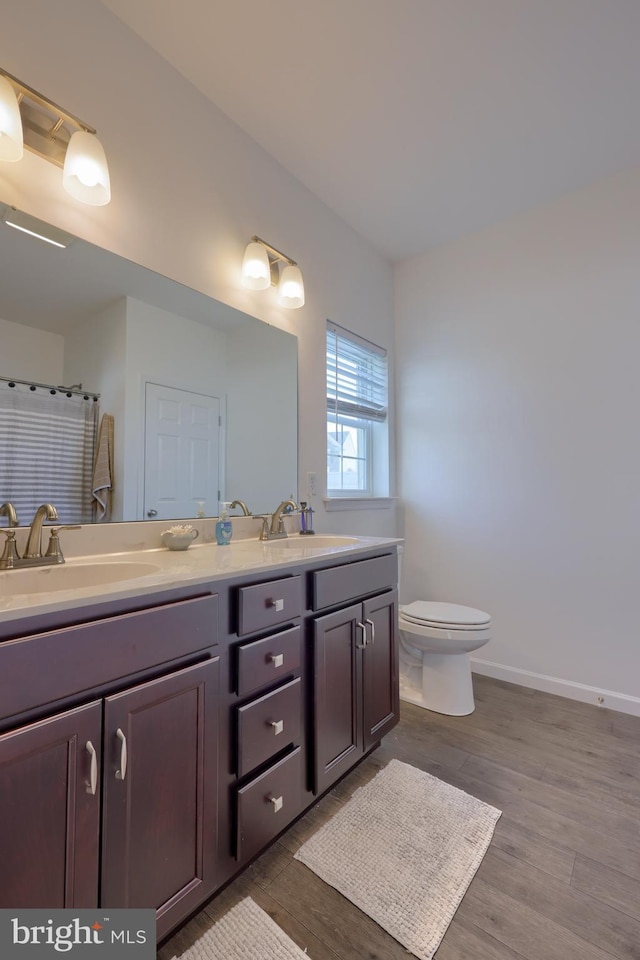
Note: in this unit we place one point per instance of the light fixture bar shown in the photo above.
(44, 123)
(36, 228)
(275, 253)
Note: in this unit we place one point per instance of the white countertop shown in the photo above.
(201, 563)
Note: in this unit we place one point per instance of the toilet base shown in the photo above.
(446, 688)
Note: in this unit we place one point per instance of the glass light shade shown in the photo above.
(291, 288)
(86, 174)
(11, 143)
(256, 272)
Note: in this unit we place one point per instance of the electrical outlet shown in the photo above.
(312, 484)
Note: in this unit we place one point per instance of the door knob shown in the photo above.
(152, 513)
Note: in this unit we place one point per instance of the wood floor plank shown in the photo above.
(594, 748)
(609, 886)
(588, 811)
(614, 852)
(314, 946)
(465, 941)
(583, 915)
(534, 849)
(349, 932)
(272, 862)
(522, 929)
(578, 780)
(507, 751)
(307, 825)
(626, 727)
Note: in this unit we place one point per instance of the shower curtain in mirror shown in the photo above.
(47, 444)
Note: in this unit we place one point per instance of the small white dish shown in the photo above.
(179, 539)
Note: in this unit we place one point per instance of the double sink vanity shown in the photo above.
(164, 716)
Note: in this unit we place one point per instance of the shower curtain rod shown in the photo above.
(68, 391)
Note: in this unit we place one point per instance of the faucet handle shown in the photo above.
(54, 549)
(10, 553)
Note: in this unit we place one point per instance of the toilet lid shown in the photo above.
(427, 611)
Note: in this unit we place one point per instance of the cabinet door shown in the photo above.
(50, 811)
(160, 806)
(337, 695)
(381, 702)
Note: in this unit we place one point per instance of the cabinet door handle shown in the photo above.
(93, 773)
(277, 605)
(122, 772)
(362, 645)
(278, 726)
(277, 803)
(277, 659)
(373, 630)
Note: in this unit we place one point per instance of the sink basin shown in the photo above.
(69, 576)
(296, 542)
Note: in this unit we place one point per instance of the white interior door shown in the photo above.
(182, 459)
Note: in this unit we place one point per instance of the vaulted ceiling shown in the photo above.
(417, 121)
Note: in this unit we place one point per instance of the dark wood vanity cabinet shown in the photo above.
(159, 822)
(50, 811)
(355, 684)
(152, 747)
(114, 803)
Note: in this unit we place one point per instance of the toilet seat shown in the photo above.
(445, 616)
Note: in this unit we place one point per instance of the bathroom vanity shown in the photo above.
(156, 735)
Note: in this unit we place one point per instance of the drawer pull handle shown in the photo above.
(122, 772)
(278, 605)
(278, 726)
(373, 630)
(362, 645)
(277, 659)
(93, 774)
(277, 803)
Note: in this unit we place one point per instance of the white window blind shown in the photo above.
(356, 377)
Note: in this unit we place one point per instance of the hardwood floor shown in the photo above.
(561, 879)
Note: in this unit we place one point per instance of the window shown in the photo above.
(357, 436)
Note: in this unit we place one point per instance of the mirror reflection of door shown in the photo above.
(182, 459)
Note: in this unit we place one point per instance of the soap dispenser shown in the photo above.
(224, 530)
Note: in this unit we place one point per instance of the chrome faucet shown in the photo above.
(240, 503)
(34, 543)
(9, 512)
(274, 529)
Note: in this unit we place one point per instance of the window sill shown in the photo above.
(358, 503)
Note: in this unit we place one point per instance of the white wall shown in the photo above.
(188, 212)
(519, 404)
(259, 454)
(30, 354)
(95, 354)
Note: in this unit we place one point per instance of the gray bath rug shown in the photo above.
(246, 932)
(404, 849)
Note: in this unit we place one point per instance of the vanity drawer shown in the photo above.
(262, 662)
(266, 805)
(265, 605)
(50, 666)
(349, 581)
(268, 725)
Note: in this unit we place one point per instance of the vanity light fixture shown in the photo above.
(29, 118)
(264, 266)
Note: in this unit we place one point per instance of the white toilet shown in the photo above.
(435, 642)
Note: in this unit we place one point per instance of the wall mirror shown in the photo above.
(160, 355)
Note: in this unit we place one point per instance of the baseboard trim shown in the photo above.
(562, 688)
